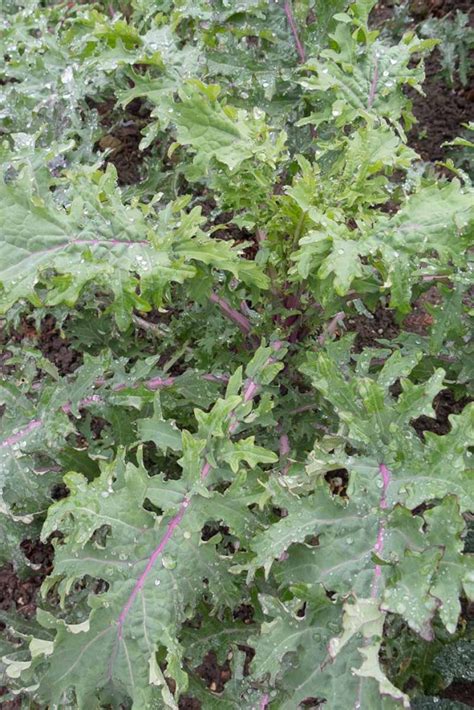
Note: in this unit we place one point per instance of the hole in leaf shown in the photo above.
(151, 507)
(244, 613)
(338, 481)
(99, 536)
(311, 703)
(214, 675)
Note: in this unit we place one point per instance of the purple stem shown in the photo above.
(249, 391)
(114, 242)
(93, 242)
(373, 86)
(378, 547)
(284, 451)
(215, 378)
(92, 399)
(157, 383)
(331, 328)
(264, 702)
(303, 408)
(294, 29)
(238, 318)
(172, 525)
(15, 438)
(154, 384)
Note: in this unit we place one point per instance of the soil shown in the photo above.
(419, 320)
(57, 349)
(48, 340)
(122, 137)
(444, 404)
(226, 229)
(440, 117)
(369, 330)
(461, 691)
(444, 108)
(21, 593)
(214, 675)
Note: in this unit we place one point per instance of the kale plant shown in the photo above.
(227, 440)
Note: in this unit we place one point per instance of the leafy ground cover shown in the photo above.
(236, 371)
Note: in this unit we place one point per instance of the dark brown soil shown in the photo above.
(439, 114)
(444, 108)
(9, 704)
(56, 348)
(187, 703)
(419, 320)
(226, 229)
(444, 404)
(461, 691)
(48, 340)
(338, 480)
(214, 675)
(421, 9)
(122, 137)
(370, 330)
(21, 593)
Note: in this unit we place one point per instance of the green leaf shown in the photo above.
(344, 263)
(121, 628)
(164, 434)
(246, 450)
(408, 590)
(364, 617)
(289, 634)
(203, 124)
(455, 571)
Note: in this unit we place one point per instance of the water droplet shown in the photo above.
(168, 563)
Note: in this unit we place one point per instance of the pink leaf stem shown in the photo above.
(331, 328)
(15, 438)
(284, 451)
(154, 384)
(378, 547)
(210, 377)
(92, 399)
(294, 29)
(373, 86)
(157, 383)
(249, 391)
(241, 321)
(264, 702)
(172, 525)
(303, 408)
